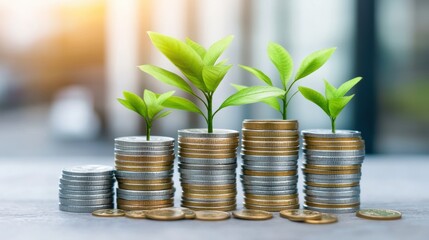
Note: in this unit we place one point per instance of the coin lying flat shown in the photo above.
(166, 214)
(189, 214)
(325, 219)
(379, 214)
(109, 213)
(209, 215)
(300, 215)
(249, 214)
(137, 214)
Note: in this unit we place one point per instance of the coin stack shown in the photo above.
(208, 163)
(144, 170)
(332, 170)
(269, 172)
(84, 189)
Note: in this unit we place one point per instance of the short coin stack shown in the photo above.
(144, 170)
(84, 189)
(332, 170)
(270, 153)
(208, 163)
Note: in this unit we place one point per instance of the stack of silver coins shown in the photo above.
(144, 170)
(84, 189)
(270, 151)
(332, 170)
(208, 163)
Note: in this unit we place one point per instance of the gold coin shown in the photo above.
(138, 214)
(208, 204)
(271, 139)
(223, 209)
(273, 203)
(270, 153)
(143, 164)
(208, 196)
(270, 133)
(339, 148)
(270, 124)
(271, 149)
(166, 214)
(144, 202)
(300, 215)
(355, 143)
(189, 214)
(144, 158)
(264, 173)
(259, 144)
(212, 215)
(332, 185)
(220, 191)
(207, 151)
(207, 187)
(332, 139)
(325, 205)
(270, 208)
(251, 214)
(207, 146)
(109, 213)
(325, 219)
(141, 207)
(329, 172)
(332, 167)
(144, 169)
(207, 156)
(229, 141)
(270, 197)
(145, 187)
(379, 214)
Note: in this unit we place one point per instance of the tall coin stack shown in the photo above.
(144, 170)
(84, 189)
(208, 163)
(270, 151)
(332, 170)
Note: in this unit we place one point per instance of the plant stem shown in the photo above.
(148, 128)
(333, 124)
(284, 113)
(210, 113)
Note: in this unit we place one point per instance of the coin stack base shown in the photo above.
(144, 170)
(84, 189)
(208, 163)
(269, 171)
(332, 170)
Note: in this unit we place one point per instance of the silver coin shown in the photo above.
(342, 189)
(204, 161)
(270, 168)
(267, 163)
(336, 176)
(141, 140)
(269, 158)
(92, 202)
(143, 175)
(259, 192)
(333, 163)
(207, 172)
(269, 178)
(84, 209)
(87, 183)
(85, 187)
(244, 130)
(144, 148)
(93, 192)
(86, 196)
(208, 167)
(270, 183)
(208, 182)
(336, 194)
(326, 133)
(321, 200)
(144, 197)
(89, 178)
(334, 153)
(88, 170)
(332, 181)
(205, 178)
(269, 188)
(144, 153)
(202, 133)
(332, 210)
(145, 193)
(192, 201)
(334, 158)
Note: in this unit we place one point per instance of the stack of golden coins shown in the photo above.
(332, 170)
(270, 151)
(207, 166)
(144, 171)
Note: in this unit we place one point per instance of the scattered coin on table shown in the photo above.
(210, 215)
(250, 214)
(300, 215)
(379, 214)
(109, 213)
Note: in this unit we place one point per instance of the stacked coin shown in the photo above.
(208, 163)
(332, 170)
(84, 189)
(144, 170)
(269, 172)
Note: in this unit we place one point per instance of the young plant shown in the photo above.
(203, 74)
(334, 100)
(150, 107)
(282, 60)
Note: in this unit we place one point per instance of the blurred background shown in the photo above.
(64, 63)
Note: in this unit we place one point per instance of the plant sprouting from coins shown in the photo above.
(334, 100)
(150, 107)
(283, 62)
(202, 75)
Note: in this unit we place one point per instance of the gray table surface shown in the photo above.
(29, 208)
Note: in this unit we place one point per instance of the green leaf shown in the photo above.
(238, 87)
(315, 97)
(313, 62)
(336, 105)
(259, 74)
(167, 77)
(345, 87)
(213, 75)
(126, 104)
(152, 105)
(281, 58)
(162, 114)
(252, 95)
(330, 91)
(137, 103)
(180, 103)
(272, 102)
(215, 50)
(182, 56)
(197, 47)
